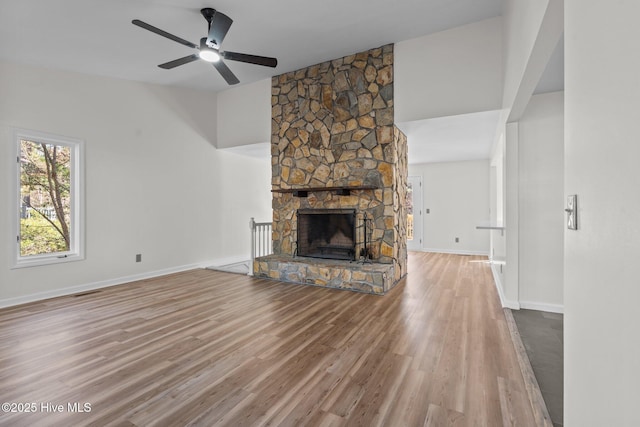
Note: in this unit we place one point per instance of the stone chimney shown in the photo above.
(334, 144)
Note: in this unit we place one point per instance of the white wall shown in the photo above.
(497, 238)
(511, 289)
(457, 196)
(541, 203)
(602, 284)
(457, 71)
(452, 72)
(155, 183)
(244, 114)
(522, 21)
(531, 31)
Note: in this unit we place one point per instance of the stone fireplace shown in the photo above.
(336, 150)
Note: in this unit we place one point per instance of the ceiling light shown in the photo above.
(209, 55)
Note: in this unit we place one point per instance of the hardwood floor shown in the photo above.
(211, 348)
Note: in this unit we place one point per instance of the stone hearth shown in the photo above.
(334, 145)
(374, 278)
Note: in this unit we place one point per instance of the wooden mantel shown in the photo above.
(341, 191)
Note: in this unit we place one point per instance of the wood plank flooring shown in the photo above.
(211, 348)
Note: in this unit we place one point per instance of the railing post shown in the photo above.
(252, 225)
(261, 241)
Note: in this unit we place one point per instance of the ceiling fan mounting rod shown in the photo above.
(208, 13)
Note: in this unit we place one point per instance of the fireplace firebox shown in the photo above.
(327, 233)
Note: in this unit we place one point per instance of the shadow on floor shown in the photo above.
(238, 267)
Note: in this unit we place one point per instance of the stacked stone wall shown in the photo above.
(333, 126)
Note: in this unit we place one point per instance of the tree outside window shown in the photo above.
(45, 183)
(48, 190)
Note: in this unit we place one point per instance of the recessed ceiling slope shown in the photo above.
(451, 139)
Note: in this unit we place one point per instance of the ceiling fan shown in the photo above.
(209, 49)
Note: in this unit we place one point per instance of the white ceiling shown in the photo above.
(97, 37)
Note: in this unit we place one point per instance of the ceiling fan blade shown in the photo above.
(251, 59)
(163, 33)
(180, 61)
(225, 72)
(220, 24)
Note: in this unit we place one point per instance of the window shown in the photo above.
(48, 199)
(409, 208)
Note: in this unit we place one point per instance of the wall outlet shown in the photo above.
(457, 240)
(138, 257)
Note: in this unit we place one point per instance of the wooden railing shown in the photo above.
(261, 241)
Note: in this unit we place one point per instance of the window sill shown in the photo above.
(36, 261)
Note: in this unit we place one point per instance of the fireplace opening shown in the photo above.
(327, 233)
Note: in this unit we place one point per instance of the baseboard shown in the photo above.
(10, 302)
(455, 252)
(517, 305)
(551, 308)
(513, 305)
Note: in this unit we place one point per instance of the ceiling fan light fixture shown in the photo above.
(209, 55)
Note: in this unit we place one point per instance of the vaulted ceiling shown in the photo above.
(97, 37)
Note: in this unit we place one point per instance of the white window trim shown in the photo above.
(76, 252)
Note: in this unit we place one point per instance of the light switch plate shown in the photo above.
(572, 212)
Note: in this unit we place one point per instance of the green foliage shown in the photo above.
(38, 236)
(45, 183)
